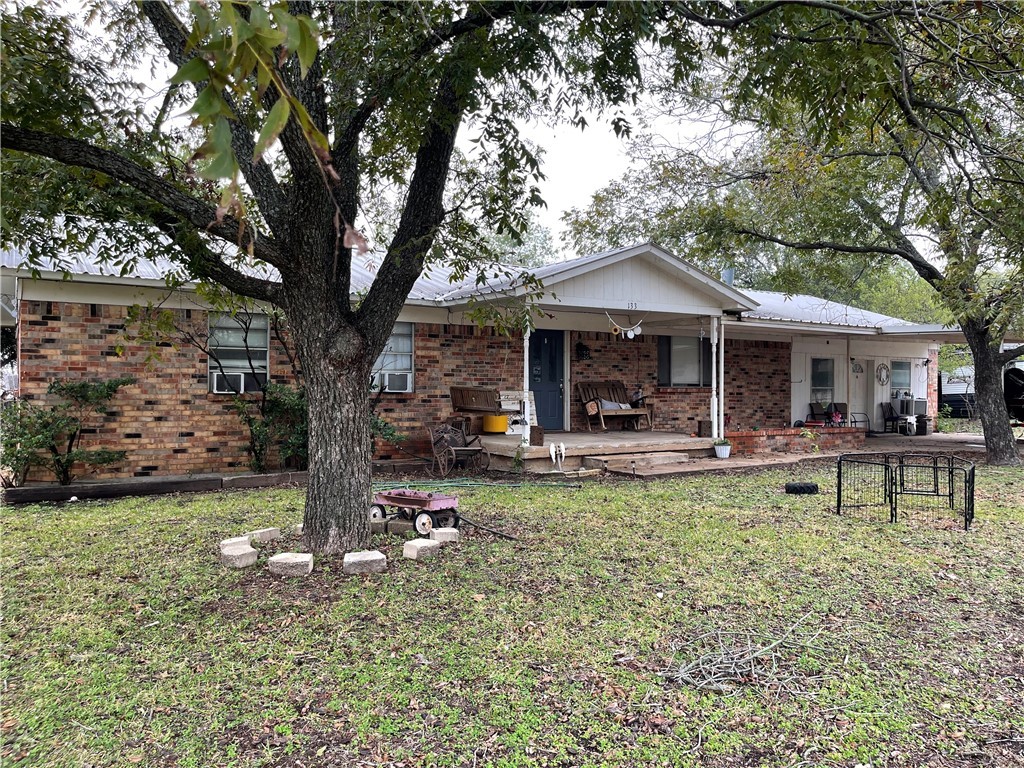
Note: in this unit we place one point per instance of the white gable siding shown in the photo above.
(634, 285)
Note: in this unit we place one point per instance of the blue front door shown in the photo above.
(547, 366)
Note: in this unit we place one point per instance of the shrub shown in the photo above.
(51, 436)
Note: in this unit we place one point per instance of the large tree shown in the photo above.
(865, 161)
(309, 109)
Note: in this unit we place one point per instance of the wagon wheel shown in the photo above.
(446, 461)
(448, 518)
(483, 460)
(377, 512)
(424, 523)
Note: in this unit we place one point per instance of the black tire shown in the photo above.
(377, 512)
(801, 487)
(424, 523)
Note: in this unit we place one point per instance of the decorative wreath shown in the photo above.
(882, 372)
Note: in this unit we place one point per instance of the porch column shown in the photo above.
(721, 376)
(714, 379)
(526, 387)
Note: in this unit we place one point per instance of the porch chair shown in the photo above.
(859, 419)
(817, 417)
(893, 420)
(837, 408)
(451, 446)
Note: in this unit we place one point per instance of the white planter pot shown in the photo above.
(723, 451)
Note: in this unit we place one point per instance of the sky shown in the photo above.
(577, 164)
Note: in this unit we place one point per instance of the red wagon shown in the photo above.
(426, 510)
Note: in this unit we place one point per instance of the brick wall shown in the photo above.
(757, 379)
(792, 440)
(933, 384)
(447, 356)
(169, 423)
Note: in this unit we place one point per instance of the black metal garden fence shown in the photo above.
(916, 485)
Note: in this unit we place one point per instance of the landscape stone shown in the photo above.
(297, 529)
(368, 561)
(445, 535)
(238, 556)
(235, 541)
(420, 549)
(378, 526)
(399, 525)
(291, 564)
(265, 534)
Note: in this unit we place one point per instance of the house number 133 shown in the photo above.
(632, 305)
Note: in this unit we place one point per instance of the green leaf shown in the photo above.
(222, 163)
(272, 127)
(208, 103)
(307, 50)
(290, 25)
(192, 71)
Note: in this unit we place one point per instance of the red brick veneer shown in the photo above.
(169, 423)
(793, 440)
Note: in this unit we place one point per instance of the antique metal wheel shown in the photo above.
(424, 523)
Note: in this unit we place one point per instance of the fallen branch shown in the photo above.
(724, 661)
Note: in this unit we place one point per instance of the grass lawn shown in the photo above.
(125, 643)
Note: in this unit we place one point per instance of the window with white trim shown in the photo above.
(823, 380)
(239, 352)
(900, 375)
(393, 369)
(684, 361)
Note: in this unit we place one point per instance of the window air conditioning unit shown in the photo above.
(396, 382)
(228, 383)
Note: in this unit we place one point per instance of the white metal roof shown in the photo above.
(435, 287)
(811, 309)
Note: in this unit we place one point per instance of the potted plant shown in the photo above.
(722, 447)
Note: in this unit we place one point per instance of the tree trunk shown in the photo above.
(988, 389)
(336, 373)
(336, 519)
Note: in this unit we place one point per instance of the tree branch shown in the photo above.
(199, 214)
(487, 16)
(203, 262)
(422, 216)
(904, 247)
(259, 176)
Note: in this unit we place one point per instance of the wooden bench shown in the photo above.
(473, 403)
(597, 399)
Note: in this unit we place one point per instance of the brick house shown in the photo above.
(699, 349)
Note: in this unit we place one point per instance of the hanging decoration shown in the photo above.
(882, 374)
(625, 331)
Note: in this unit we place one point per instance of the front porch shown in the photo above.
(579, 445)
(656, 452)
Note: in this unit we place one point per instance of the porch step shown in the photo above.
(639, 464)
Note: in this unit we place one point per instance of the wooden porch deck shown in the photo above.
(536, 458)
